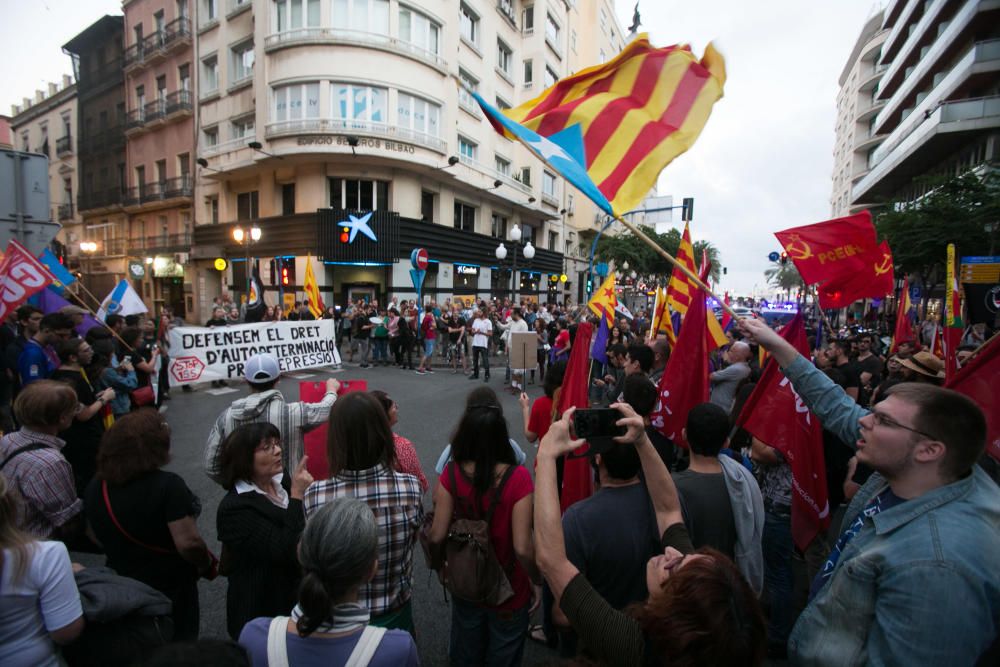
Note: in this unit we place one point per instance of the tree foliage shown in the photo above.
(785, 277)
(627, 247)
(963, 210)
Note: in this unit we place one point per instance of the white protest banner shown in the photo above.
(201, 354)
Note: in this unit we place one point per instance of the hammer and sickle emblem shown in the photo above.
(885, 266)
(798, 249)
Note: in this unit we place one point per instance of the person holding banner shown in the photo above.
(914, 571)
(267, 404)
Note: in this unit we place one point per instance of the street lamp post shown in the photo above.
(501, 254)
(88, 248)
(246, 238)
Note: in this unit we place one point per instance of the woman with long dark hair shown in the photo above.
(484, 474)
(362, 462)
(259, 523)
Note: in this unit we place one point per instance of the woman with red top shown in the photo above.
(562, 344)
(406, 454)
(482, 462)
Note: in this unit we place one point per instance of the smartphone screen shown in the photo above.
(597, 423)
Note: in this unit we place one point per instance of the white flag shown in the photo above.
(123, 301)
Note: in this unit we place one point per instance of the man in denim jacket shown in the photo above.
(914, 578)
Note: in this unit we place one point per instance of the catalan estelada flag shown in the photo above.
(611, 129)
(311, 289)
(680, 288)
(605, 300)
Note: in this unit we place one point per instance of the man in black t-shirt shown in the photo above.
(838, 352)
(869, 367)
(455, 325)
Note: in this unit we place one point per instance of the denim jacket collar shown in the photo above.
(900, 515)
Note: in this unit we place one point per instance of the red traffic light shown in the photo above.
(284, 275)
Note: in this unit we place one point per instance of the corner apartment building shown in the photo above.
(97, 63)
(858, 104)
(45, 124)
(940, 96)
(310, 111)
(160, 138)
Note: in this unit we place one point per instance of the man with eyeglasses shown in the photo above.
(913, 578)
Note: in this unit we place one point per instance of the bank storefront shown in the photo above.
(365, 254)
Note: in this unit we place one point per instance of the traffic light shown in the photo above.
(273, 273)
(784, 258)
(284, 276)
(687, 209)
(590, 284)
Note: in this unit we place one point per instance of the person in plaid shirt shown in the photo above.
(362, 465)
(31, 459)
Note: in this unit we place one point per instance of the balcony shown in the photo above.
(111, 139)
(117, 247)
(353, 127)
(937, 135)
(64, 145)
(153, 48)
(65, 212)
(99, 199)
(162, 243)
(171, 107)
(226, 146)
(337, 36)
(160, 191)
(108, 72)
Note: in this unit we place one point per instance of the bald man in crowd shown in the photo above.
(726, 381)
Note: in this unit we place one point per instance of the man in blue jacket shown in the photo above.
(913, 577)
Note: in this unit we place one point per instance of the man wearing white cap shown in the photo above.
(266, 404)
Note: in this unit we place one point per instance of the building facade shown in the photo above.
(98, 66)
(313, 111)
(160, 139)
(47, 124)
(858, 104)
(940, 97)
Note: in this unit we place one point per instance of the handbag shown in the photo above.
(142, 396)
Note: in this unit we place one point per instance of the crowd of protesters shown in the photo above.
(683, 555)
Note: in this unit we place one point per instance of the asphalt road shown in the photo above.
(429, 408)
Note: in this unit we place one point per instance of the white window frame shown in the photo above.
(505, 58)
(284, 24)
(214, 68)
(374, 9)
(529, 72)
(210, 135)
(502, 165)
(552, 30)
(427, 29)
(467, 18)
(528, 20)
(467, 148)
(239, 55)
(210, 10)
(243, 127)
(548, 184)
(550, 74)
(465, 98)
(281, 94)
(408, 117)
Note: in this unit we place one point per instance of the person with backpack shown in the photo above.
(480, 538)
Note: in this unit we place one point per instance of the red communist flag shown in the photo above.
(980, 380)
(684, 383)
(578, 478)
(874, 279)
(832, 250)
(775, 415)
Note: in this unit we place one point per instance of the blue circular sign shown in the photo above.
(774, 256)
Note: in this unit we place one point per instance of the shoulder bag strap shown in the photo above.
(498, 492)
(30, 447)
(277, 639)
(121, 529)
(454, 491)
(365, 649)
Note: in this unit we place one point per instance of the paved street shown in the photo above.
(429, 407)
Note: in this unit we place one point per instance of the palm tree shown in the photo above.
(785, 277)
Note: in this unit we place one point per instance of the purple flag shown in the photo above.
(600, 352)
(49, 302)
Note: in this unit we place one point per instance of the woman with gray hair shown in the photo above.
(329, 627)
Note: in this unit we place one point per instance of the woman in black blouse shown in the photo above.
(699, 611)
(145, 517)
(259, 523)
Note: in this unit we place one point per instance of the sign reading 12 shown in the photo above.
(349, 228)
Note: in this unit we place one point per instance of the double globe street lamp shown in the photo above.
(245, 238)
(528, 250)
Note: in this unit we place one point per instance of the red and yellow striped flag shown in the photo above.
(627, 119)
(680, 289)
(311, 289)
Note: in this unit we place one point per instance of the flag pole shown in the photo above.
(670, 258)
(104, 324)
